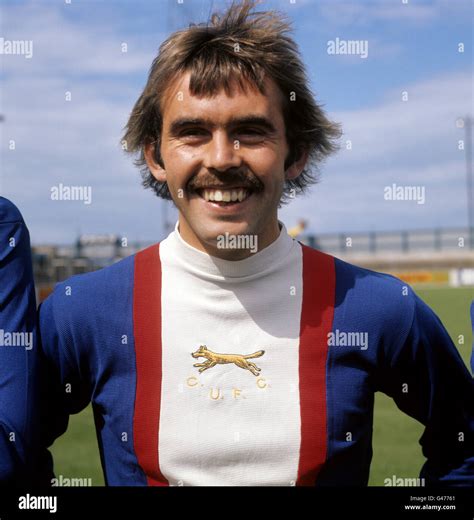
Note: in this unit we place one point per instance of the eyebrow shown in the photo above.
(255, 120)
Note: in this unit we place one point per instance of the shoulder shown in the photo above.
(87, 305)
(15, 252)
(369, 300)
(13, 231)
(360, 282)
(353, 282)
(380, 294)
(95, 289)
(85, 310)
(100, 292)
(9, 213)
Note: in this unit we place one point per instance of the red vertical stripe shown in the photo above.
(147, 332)
(316, 322)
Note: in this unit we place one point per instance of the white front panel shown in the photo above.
(226, 426)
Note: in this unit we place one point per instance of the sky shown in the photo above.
(64, 109)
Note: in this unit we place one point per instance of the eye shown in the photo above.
(192, 132)
(251, 131)
(250, 135)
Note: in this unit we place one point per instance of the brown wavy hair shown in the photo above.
(241, 46)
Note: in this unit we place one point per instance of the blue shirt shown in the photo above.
(18, 361)
(408, 355)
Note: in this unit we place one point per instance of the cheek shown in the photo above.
(181, 156)
(180, 165)
(270, 172)
(264, 163)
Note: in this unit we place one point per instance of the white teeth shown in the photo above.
(225, 195)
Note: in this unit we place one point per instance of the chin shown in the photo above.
(210, 234)
(221, 227)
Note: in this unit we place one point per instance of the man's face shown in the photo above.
(224, 147)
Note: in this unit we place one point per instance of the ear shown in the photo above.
(156, 170)
(297, 167)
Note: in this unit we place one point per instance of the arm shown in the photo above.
(64, 389)
(429, 381)
(17, 355)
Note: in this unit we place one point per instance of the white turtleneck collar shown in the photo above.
(205, 266)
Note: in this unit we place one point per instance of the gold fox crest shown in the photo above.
(215, 358)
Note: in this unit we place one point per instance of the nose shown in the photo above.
(222, 153)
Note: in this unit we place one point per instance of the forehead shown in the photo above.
(178, 101)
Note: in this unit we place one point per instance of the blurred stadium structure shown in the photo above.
(437, 256)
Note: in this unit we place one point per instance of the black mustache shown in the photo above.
(248, 183)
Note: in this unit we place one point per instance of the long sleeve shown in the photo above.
(17, 339)
(64, 390)
(83, 328)
(429, 381)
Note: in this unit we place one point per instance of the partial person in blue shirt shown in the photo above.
(17, 347)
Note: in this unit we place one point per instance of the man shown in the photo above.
(230, 354)
(17, 356)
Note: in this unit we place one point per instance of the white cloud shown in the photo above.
(407, 143)
(424, 124)
(71, 142)
(64, 46)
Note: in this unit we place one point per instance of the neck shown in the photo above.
(261, 241)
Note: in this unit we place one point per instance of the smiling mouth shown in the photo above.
(224, 197)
